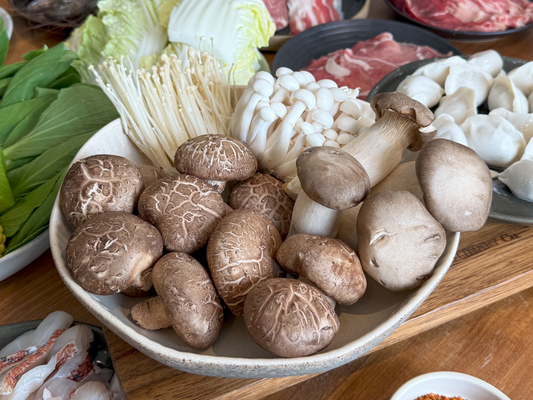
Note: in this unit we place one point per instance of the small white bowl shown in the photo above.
(13, 262)
(8, 22)
(448, 384)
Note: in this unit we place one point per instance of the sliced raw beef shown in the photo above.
(368, 62)
(279, 12)
(304, 14)
(470, 15)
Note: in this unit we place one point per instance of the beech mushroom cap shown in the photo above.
(112, 252)
(189, 298)
(329, 263)
(411, 109)
(241, 253)
(457, 185)
(185, 209)
(398, 240)
(264, 194)
(98, 184)
(150, 174)
(290, 318)
(216, 158)
(332, 177)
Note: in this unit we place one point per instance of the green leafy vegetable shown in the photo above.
(18, 164)
(6, 195)
(3, 85)
(34, 53)
(68, 78)
(7, 71)
(10, 116)
(4, 42)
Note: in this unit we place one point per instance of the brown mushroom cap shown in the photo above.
(332, 177)
(329, 263)
(112, 252)
(150, 174)
(412, 110)
(399, 241)
(264, 194)
(241, 253)
(190, 300)
(290, 318)
(98, 184)
(216, 158)
(185, 209)
(150, 314)
(457, 185)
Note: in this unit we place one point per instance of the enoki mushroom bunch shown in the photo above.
(164, 108)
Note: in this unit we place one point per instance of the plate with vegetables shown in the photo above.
(497, 99)
(46, 115)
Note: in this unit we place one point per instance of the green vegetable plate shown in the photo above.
(13, 262)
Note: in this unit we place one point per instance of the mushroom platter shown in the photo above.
(213, 268)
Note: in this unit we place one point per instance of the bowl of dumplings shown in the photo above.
(483, 101)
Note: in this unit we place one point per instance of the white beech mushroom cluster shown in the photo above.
(280, 118)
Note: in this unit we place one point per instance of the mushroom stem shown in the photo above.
(150, 314)
(310, 217)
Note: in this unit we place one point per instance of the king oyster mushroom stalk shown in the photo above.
(298, 113)
(332, 181)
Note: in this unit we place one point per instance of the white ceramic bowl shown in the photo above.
(8, 22)
(448, 384)
(23, 256)
(234, 354)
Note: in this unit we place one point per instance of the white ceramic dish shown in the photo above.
(448, 384)
(235, 355)
(20, 258)
(8, 22)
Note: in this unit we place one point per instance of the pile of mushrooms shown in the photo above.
(270, 259)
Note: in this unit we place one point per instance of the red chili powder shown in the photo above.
(433, 396)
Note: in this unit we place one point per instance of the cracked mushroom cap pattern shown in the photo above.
(264, 194)
(290, 318)
(98, 184)
(150, 174)
(112, 252)
(190, 300)
(327, 262)
(216, 157)
(185, 209)
(399, 242)
(242, 253)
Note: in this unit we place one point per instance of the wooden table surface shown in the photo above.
(477, 321)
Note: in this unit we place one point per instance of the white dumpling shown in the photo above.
(505, 94)
(448, 129)
(489, 61)
(438, 71)
(494, 139)
(460, 105)
(422, 89)
(519, 179)
(522, 122)
(522, 77)
(528, 152)
(470, 76)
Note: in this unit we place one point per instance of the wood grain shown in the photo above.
(493, 342)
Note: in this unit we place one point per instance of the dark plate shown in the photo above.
(321, 40)
(98, 350)
(505, 206)
(457, 35)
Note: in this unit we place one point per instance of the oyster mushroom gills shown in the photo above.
(216, 159)
(264, 194)
(241, 253)
(185, 209)
(98, 184)
(112, 252)
(399, 242)
(189, 300)
(289, 318)
(328, 263)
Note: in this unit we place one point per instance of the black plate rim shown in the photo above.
(346, 24)
(451, 34)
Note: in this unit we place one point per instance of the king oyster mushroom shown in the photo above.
(216, 159)
(98, 184)
(241, 253)
(187, 301)
(399, 241)
(289, 318)
(264, 194)
(332, 181)
(112, 252)
(328, 263)
(185, 209)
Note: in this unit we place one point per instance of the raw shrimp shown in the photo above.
(92, 391)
